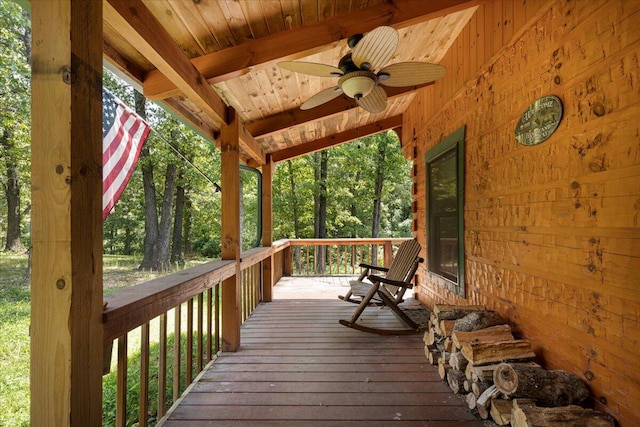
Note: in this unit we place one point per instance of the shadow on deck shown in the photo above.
(297, 366)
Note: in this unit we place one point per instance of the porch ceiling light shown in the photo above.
(358, 84)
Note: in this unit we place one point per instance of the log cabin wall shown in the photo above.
(552, 236)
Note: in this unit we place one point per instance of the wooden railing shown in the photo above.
(175, 323)
(313, 257)
(175, 320)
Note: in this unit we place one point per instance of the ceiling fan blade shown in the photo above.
(311, 68)
(376, 48)
(321, 97)
(375, 102)
(410, 73)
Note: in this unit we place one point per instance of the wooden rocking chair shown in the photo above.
(387, 290)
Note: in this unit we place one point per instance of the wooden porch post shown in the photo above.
(388, 254)
(66, 173)
(231, 290)
(267, 228)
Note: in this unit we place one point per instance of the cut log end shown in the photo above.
(506, 377)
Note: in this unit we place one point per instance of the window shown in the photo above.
(445, 209)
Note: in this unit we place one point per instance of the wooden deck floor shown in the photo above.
(298, 366)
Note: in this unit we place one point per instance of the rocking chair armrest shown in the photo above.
(386, 281)
(373, 267)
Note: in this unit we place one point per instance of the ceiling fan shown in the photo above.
(360, 71)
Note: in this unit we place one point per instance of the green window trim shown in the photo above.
(452, 146)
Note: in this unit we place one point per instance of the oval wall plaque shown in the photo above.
(539, 121)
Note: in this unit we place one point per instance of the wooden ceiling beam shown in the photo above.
(338, 138)
(303, 41)
(286, 119)
(249, 144)
(118, 64)
(136, 23)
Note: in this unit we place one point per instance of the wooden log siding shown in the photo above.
(551, 231)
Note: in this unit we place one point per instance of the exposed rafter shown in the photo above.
(138, 25)
(338, 138)
(295, 117)
(303, 41)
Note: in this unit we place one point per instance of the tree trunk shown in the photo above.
(12, 194)
(176, 247)
(322, 160)
(294, 208)
(377, 197)
(164, 238)
(150, 208)
(354, 206)
(128, 238)
(187, 221)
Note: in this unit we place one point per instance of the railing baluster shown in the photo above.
(257, 285)
(143, 412)
(247, 285)
(243, 299)
(162, 367)
(121, 383)
(247, 293)
(306, 267)
(210, 332)
(189, 357)
(217, 314)
(200, 333)
(177, 334)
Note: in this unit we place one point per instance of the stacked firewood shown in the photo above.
(478, 356)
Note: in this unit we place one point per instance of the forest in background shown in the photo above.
(171, 207)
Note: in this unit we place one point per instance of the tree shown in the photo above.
(381, 142)
(320, 206)
(157, 255)
(360, 172)
(15, 53)
(176, 247)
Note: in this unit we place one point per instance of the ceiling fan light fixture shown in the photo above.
(358, 84)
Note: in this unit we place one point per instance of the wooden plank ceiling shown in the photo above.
(202, 57)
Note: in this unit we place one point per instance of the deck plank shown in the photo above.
(297, 365)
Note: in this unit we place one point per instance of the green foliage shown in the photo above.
(350, 191)
(109, 383)
(198, 163)
(208, 246)
(15, 313)
(15, 102)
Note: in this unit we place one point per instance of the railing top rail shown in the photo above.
(131, 307)
(347, 241)
(253, 256)
(280, 244)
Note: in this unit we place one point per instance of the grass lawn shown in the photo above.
(119, 272)
(14, 340)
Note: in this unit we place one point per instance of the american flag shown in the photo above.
(123, 135)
